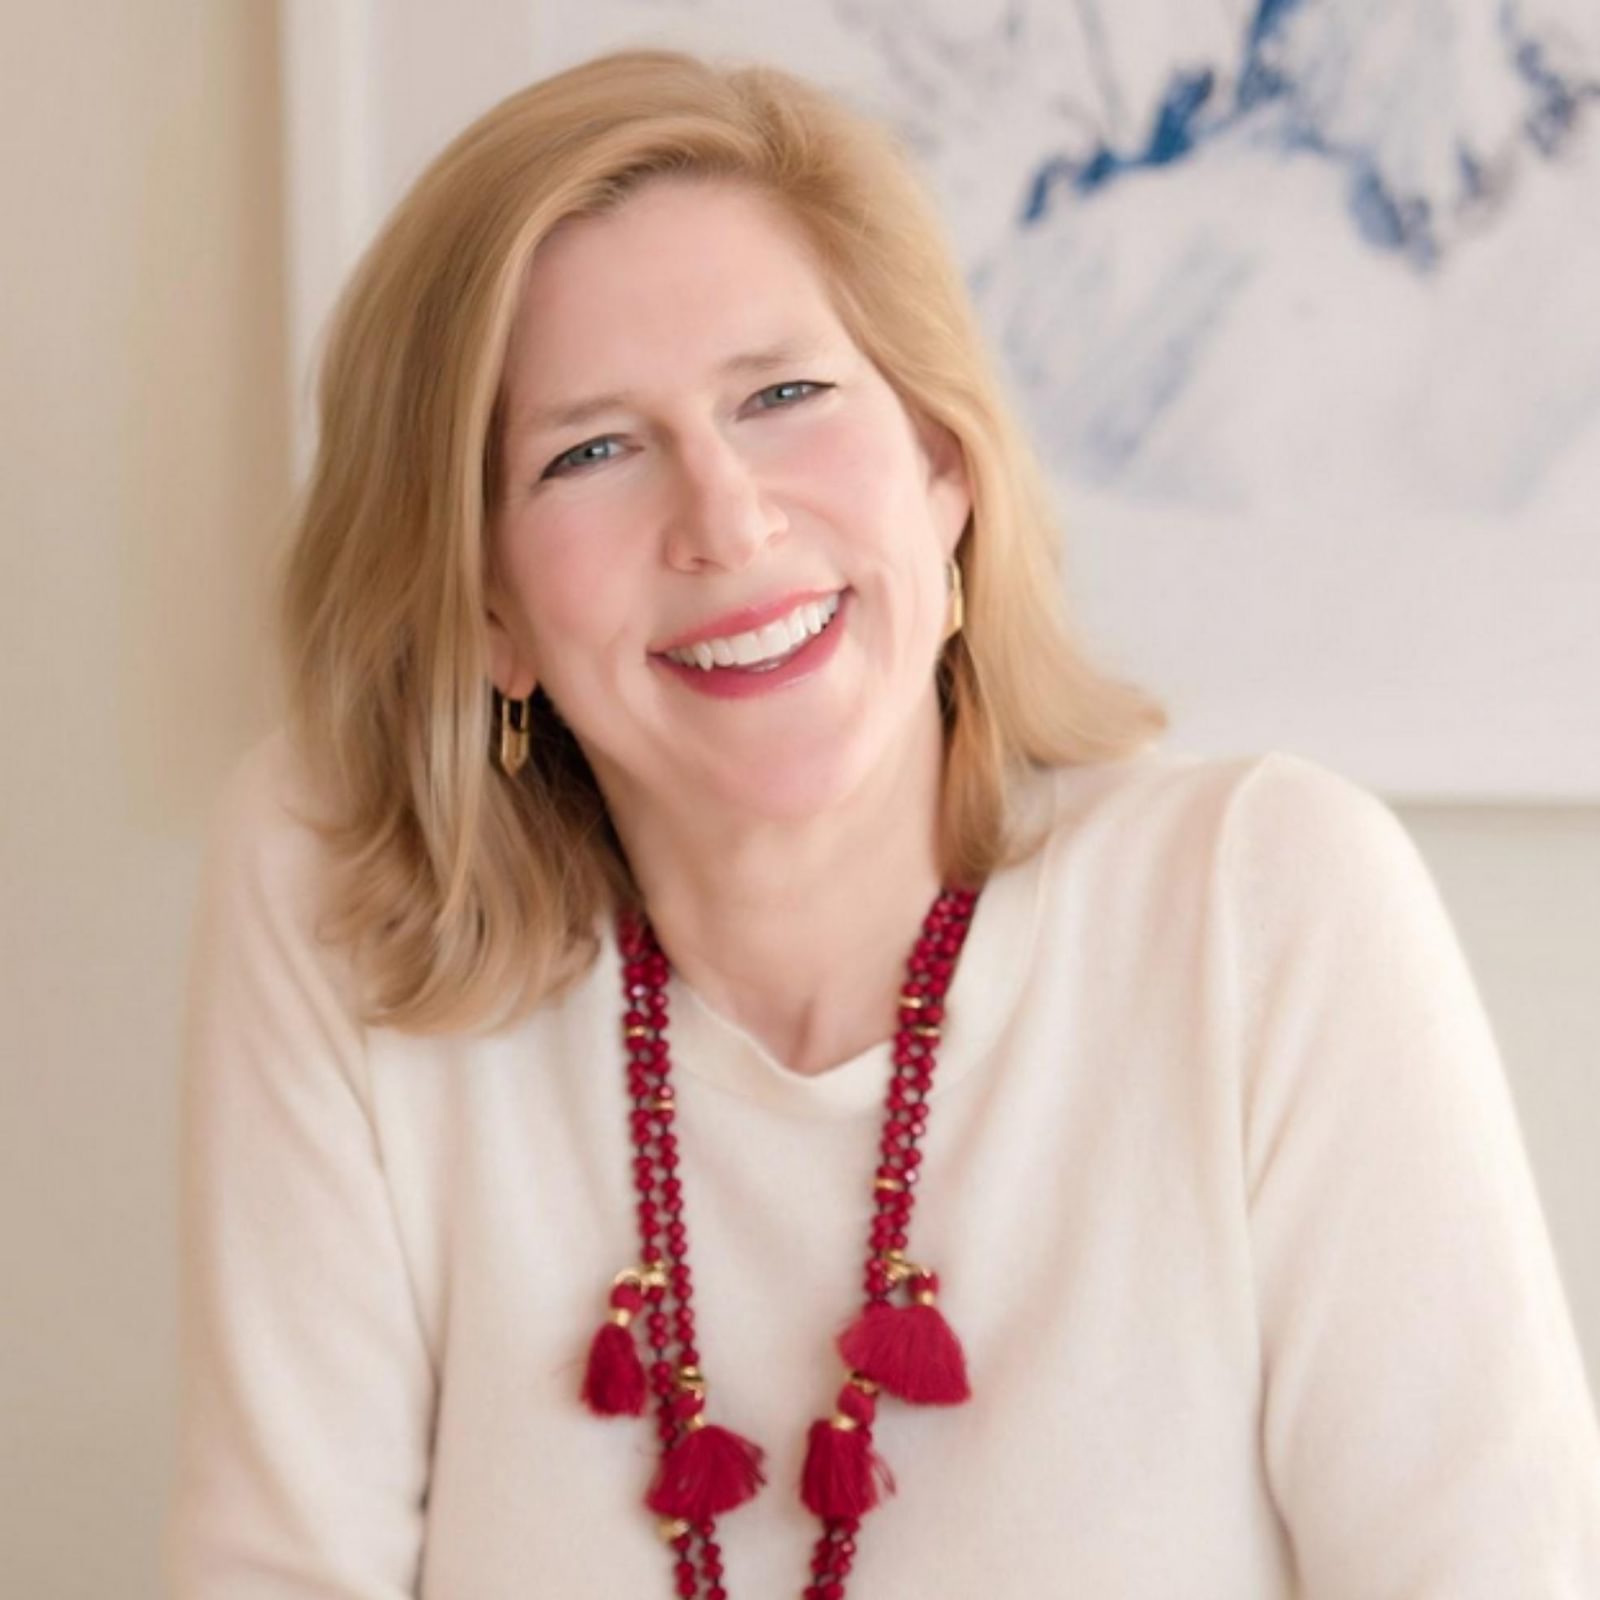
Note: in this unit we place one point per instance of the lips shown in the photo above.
(743, 683)
(747, 619)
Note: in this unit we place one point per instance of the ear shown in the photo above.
(511, 666)
(949, 482)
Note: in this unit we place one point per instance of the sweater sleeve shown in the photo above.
(1427, 1428)
(306, 1389)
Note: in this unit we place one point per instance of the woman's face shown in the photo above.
(694, 451)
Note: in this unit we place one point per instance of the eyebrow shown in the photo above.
(571, 414)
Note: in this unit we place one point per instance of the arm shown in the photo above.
(306, 1386)
(1427, 1429)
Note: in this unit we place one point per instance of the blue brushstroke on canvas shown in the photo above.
(1266, 84)
(1272, 257)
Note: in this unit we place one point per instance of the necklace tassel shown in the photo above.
(613, 1380)
(911, 1351)
(843, 1475)
(708, 1471)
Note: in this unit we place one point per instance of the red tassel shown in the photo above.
(613, 1381)
(909, 1350)
(843, 1473)
(708, 1471)
(613, 1384)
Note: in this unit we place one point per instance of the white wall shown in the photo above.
(145, 476)
(144, 468)
(1523, 886)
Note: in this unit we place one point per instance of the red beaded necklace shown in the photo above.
(907, 1350)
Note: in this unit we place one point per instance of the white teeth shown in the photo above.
(761, 644)
(775, 639)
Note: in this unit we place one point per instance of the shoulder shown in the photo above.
(1290, 871)
(271, 997)
(1271, 880)
(269, 821)
(1307, 845)
(1195, 797)
(1271, 825)
(269, 863)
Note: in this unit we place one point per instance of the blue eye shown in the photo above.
(575, 457)
(578, 458)
(797, 383)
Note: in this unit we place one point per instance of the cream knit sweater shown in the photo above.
(1222, 1178)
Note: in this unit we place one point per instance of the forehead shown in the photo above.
(682, 275)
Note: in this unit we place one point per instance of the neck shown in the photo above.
(812, 975)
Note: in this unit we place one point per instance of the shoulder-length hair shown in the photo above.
(466, 896)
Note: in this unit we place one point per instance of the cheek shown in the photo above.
(859, 474)
(571, 579)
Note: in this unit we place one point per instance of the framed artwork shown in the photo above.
(1298, 299)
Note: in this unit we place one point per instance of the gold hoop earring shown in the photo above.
(515, 720)
(958, 604)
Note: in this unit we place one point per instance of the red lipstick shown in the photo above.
(744, 683)
(745, 620)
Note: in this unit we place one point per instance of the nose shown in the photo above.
(720, 516)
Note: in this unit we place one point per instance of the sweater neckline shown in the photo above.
(713, 1049)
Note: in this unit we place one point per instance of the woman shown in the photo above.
(715, 1004)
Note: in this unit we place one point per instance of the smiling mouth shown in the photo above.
(761, 649)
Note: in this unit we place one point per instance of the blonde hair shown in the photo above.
(467, 896)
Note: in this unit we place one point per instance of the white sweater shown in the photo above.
(1222, 1178)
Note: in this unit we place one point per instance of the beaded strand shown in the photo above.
(665, 1281)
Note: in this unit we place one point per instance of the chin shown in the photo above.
(794, 785)
(794, 794)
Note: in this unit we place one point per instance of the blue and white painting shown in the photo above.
(1242, 255)
(1335, 252)
(1300, 300)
